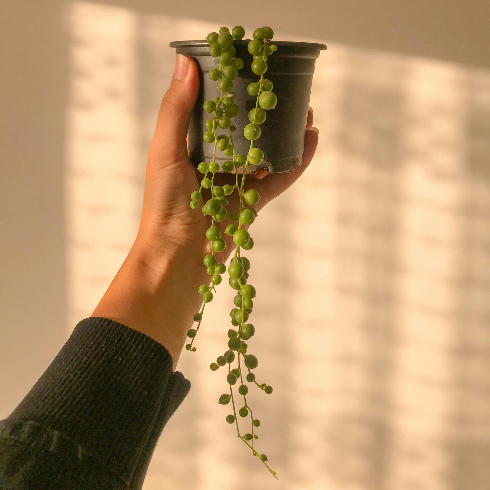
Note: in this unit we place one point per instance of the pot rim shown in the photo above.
(198, 43)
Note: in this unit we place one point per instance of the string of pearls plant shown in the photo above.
(222, 110)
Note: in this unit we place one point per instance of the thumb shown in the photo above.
(175, 110)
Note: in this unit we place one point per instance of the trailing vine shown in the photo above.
(222, 110)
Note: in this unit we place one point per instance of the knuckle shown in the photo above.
(168, 104)
(172, 101)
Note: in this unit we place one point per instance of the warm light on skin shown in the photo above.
(372, 271)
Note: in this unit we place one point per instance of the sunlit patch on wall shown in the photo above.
(102, 184)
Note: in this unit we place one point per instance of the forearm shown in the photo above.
(155, 292)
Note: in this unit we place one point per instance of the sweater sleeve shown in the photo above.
(96, 412)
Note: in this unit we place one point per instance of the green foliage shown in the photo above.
(221, 111)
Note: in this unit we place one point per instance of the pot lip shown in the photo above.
(198, 43)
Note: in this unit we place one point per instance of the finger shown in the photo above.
(309, 119)
(273, 185)
(269, 186)
(175, 111)
(261, 174)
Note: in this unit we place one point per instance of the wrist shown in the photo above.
(155, 292)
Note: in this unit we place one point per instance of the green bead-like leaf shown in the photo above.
(225, 59)
(252, 131)
(212, 37)
(230, 71)
(241, 316)
(224, 122)
(203, 167)
(259, 34)
(234, 343)
(227, 167)
(255, 156)
(254, 47)
(233, 281)
(219, 245)
(206, 182)
(209, 259)
(225, 39)
(238, 32)
(257, 115)
(235, 269)
(259, 67)
(232, 110)
(245, 262)
(243, 389)
(248, 291)
(241, 237)
(266, 84)
(251, 361)
(269, 33)
(248, 330)
(267, 99)
(238, 62)
(249, 245)
(218, 191)
(247, 217)
(224, 399)
(214, 75)
(213, 233)
(229, 356)
(227, 188)
(209, 106)
(252, 197)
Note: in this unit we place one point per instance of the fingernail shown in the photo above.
(314, 129)
(181, 67)
(310, 109)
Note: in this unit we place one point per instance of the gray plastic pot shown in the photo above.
(290, 69)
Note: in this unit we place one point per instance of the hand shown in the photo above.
(167, 221)
(155, 290)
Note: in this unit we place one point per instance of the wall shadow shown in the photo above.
(33, 294)
(373, 314)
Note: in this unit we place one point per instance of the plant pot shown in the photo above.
(290, 69)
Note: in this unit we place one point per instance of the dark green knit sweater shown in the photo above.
(93, 419)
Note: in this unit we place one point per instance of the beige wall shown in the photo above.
(373, 272)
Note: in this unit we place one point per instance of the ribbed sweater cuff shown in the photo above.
(104, 390)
